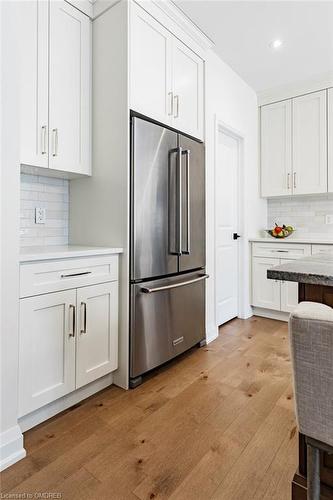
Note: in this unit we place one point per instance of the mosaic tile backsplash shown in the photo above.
(53, 195)
(307, 214)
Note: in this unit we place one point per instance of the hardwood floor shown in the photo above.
(216, 424)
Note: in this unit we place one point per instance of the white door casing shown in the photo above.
(330, 139)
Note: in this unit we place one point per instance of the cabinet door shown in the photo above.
(187, 90)
(265, 292)
(97, 342)
(310, 143)
(34, 83)
(276, 149)
(70, 88)
(289, 293)
(47, 349)
(330, 139)
(150, 73)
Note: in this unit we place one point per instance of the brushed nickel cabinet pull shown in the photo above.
(75, 274)
(288, 181)
(43, 139)
(84, 329)
(55, 142)
(176, 99)
(295, 180)
(170, 95)
(72, 308)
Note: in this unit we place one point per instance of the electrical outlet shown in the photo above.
(329, 219)
(40, 215)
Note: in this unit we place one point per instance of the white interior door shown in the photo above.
(69, 95)
(227, 172)
(97, 344)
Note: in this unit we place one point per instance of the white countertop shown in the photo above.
(33, 253)
(292, 239)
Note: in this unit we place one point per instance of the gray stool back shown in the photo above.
(311, 342)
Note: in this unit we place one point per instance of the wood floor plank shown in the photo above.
(216, 423)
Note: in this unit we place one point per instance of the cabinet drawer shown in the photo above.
(281, 250)
(317, 249)
(51, 276)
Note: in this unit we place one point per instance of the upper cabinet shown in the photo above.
(294, 146)
(276, 170)
(56, 87)
(310, 144)
(166, 76)
(330, 140)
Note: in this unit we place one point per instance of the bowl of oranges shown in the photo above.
(280, 231)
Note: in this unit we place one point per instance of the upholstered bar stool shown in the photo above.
(311, 341)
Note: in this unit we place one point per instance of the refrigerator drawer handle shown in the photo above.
(176, 285)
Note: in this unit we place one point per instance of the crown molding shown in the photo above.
(319, 82)
(174, 19)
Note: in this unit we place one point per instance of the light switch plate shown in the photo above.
(329, 219)
(40, 215)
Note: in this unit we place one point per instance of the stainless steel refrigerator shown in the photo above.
(167, 256)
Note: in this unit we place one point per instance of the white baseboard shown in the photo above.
(11, 447)
(269, 313)
(32, 419)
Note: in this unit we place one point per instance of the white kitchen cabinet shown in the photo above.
(330, 139)
(289, 293)
(276, 166)
(187, 90)
(97, 338)
(150, 76)
(55, 82)
(265, 292)
(46, 349)
(34, 83)
(310, 143)
(69, 99)
(68, 336)
(166, 77)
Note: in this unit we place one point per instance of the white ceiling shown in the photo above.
(243, 30)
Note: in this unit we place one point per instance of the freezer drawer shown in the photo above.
(167, 318)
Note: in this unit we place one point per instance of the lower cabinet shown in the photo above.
(67, 339)
(47, 349)
(97, 332)
(272, 294)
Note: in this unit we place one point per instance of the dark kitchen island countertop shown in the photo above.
(315, 284)
(314, 270)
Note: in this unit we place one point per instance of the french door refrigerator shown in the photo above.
(167, 255)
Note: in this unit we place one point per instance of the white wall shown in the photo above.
(231, 100)
(11, 439)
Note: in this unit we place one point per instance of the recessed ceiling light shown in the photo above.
(276, 44)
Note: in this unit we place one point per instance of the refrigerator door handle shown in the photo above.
(176, 285)
(179, 200)
(187, 250)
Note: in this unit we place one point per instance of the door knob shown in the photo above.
(236, 236)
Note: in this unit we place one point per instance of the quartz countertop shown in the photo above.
(34, 253)
(314, 270)
(292, 239)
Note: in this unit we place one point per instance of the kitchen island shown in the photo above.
(314, 276)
